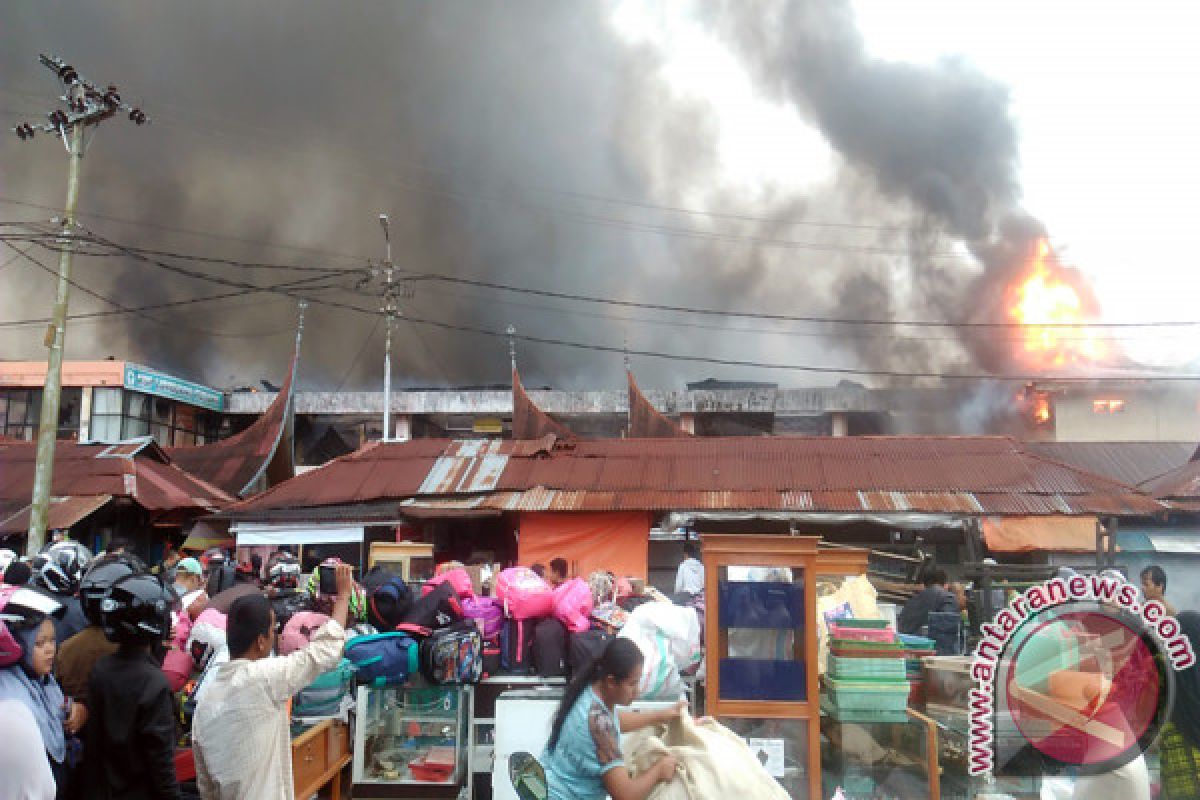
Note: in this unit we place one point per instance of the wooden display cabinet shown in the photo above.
(319, 754)
(761, 645)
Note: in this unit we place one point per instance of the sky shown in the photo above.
(681, 153)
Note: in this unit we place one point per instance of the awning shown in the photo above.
(1142, 541)
(204, 536)
(1030, 534)
(249, 534)
(62, 514)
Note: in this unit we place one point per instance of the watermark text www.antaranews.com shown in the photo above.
(1077, 589)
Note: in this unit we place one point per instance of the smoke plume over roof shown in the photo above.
(498, 135)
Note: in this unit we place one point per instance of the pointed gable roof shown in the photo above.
(237, 463)
(529, 421)
(647, 422)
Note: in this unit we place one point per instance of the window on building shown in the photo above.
(1108, 406)
(19, 413)
(105, 423)
(70, 402)
(137, 415)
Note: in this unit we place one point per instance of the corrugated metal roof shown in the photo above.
(151, 483)
(964, 475)
(62, 513)
(236, 463)
(1181, 486)
(1131, 463)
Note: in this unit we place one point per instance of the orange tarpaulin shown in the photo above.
(1028, 534)
(616, 540)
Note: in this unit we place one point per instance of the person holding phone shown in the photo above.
(240, 730)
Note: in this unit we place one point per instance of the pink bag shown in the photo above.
(458, 578)
(177, 666)
(573, 604)
(524, 594)
(488, 613)
(299, 631)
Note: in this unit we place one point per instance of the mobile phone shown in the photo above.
(328, 580)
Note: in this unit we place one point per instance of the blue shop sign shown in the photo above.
(142, 379)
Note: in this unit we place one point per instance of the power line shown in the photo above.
(185, 231)
(714, 312)
(358, 357)
(710, 312)
(121, 310)
(789, 367)
(687, 358)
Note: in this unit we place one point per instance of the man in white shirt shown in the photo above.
(689, 578)
(240, 731)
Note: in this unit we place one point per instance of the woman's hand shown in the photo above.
(666, 768)
(76, 717)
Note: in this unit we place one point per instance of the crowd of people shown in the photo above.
(90, 688)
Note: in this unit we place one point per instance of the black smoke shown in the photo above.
(498, 135)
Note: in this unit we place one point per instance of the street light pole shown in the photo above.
(86, 105)
(387, 348)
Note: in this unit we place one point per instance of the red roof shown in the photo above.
(529, 421)
(972, 475)
(645, 421)
(236, 463)
(138, 471)
(62, 513)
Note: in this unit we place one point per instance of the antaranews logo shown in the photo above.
(1082, 670)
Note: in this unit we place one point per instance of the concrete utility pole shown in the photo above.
(86, 106)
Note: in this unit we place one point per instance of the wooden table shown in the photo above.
(318, 756)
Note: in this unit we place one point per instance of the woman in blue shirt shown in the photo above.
(583, 757)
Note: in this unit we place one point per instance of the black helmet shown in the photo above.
(99, 579)
(137, 610)
(60, 566)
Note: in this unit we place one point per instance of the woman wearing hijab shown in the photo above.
(1179, 745)
(30, 682)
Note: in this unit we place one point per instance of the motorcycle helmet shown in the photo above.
(207, 637)
(60, 566)
(285, 572)
(137, 610)
(21, 608)
(99, 578)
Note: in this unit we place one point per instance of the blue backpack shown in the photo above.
(383, 658)
(323, 697)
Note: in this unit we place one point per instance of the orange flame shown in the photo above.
(1048, 303)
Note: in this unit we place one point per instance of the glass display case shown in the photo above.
(412, 742)
(880, 759)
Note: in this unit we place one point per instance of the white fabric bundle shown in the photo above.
(714, 762)
(669, 638)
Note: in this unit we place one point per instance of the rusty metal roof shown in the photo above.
(84, 469)
(968, 475)
(1131, 463)
(62, 513)
(645, 420)
(236, 463)
(529, 421)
